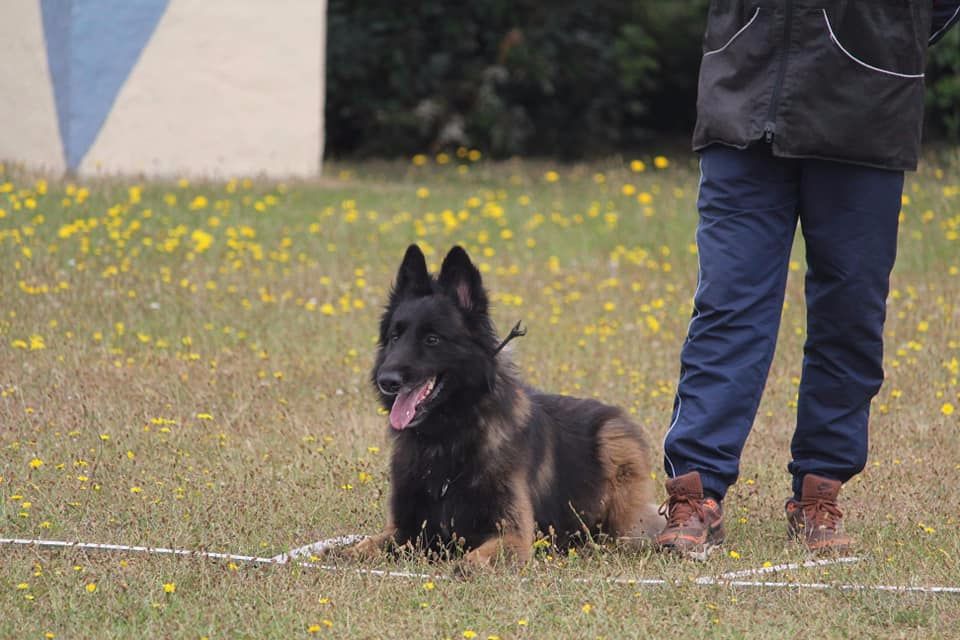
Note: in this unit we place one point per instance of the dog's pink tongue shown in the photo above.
(404, 408)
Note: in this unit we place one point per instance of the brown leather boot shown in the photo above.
(694, 524)
(815, 520)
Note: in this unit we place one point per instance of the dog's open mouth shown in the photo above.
(407, 405)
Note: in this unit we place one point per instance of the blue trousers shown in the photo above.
(750, 203)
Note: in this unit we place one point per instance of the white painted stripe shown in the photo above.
(723, 580)
(946, 25)
(736, 35)
(861, 62)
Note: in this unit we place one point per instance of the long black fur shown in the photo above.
(454, 472)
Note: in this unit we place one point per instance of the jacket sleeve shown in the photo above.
(946, 13)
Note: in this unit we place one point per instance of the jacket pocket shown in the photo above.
(726, 21)
(879, 37)
(857, 94)
(730, 40)
(733, 89)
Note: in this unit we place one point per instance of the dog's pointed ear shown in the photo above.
(460, 279)
(412, 277)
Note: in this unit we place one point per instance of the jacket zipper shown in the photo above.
(770, 128)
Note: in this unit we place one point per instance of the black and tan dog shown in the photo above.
(481, 462)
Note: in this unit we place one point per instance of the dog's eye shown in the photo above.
(431, 340)
(394, 336)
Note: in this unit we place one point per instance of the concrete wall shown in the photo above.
(163, 87)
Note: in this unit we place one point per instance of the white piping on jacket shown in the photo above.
(736, 35)
(858, 60)
(946, 25)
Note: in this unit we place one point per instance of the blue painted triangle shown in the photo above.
(92, 45)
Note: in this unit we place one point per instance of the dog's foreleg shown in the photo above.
(515, 540)
(515, 546)
(371, 546)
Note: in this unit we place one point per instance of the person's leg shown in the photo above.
(849, 216)
(748, 207)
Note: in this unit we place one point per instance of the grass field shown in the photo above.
(186, 365)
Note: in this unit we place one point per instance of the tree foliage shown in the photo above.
(524, 77)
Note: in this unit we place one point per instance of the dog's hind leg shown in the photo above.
(631, 515)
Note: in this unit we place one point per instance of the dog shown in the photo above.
(480, 462)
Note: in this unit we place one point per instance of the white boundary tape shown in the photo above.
(316, 548)
(730, 579)
(790, 566)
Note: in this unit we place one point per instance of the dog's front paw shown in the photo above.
(473, 563)
(366, 549)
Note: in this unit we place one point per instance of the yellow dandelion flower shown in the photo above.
(587, 607)
(660, 162)
(36, 463)
(91, 587)
(469, 633)
(652, 324)
(947, 409)
(314, 628)
(201, 240)
(169, 587)
(638, 166)
(551, 176)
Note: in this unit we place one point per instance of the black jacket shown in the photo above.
(833, 79)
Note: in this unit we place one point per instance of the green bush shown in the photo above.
(524, 77)
(943, 88)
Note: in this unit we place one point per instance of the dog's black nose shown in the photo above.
(389, 382)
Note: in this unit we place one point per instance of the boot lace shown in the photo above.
(821, 513)
(678, 510)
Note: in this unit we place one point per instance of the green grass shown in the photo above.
(187, 366)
